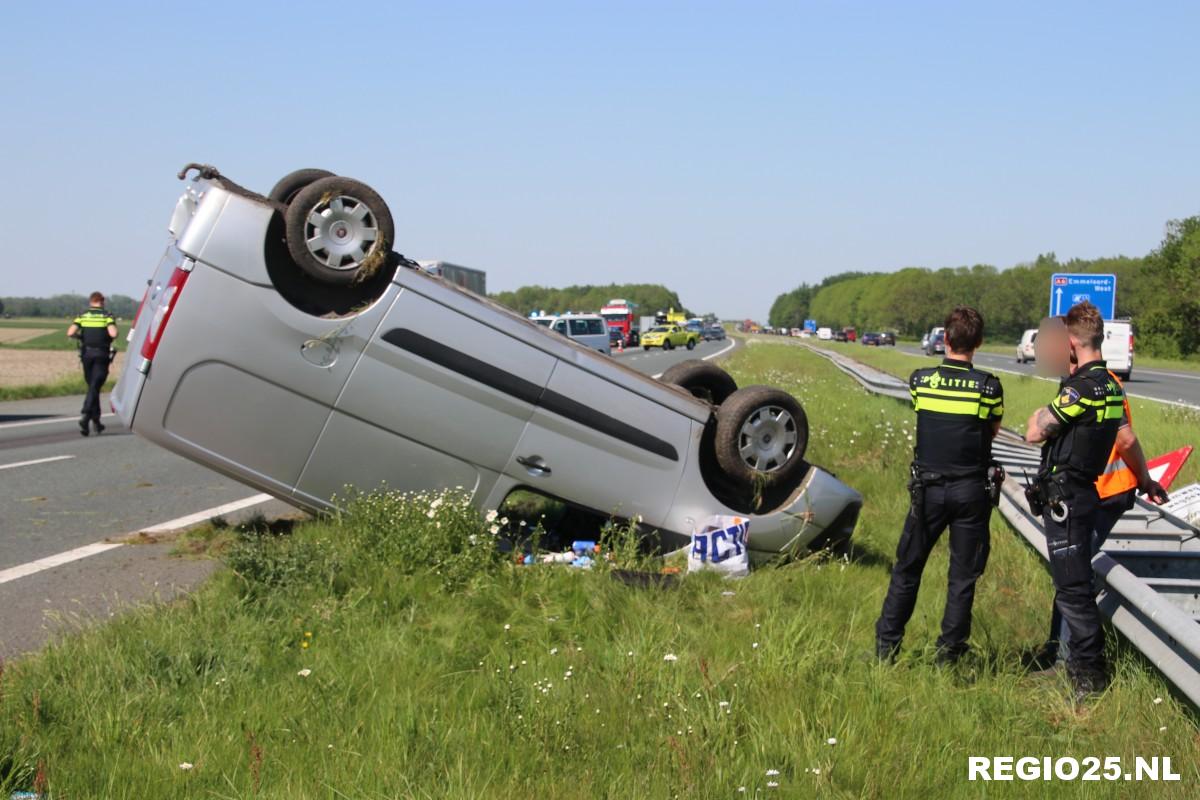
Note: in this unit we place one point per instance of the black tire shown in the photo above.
(290, 185)
(646, 348)
(691, 344)
(702, 380)
(356, 258)
(667, 345)
(739, 410)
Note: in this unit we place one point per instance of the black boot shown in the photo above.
(83, 425)
(1087, 681)
(97, 425)
(949, 656)
(885, 652)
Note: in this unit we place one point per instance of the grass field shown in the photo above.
(53, 336)
(393, 653)
(1159, 426)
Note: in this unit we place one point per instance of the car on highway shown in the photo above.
(1117, 347)
(588, 330)
(714, 333)
(284, 343)
(616, 338)
(887, 338)
(870, 339)
(825, 334)
(931, 341)
(840, 336)
(1025, 347)
(850, 333)
(668, 337)
(937, 343)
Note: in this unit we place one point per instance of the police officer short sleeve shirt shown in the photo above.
(1090, 409)
(93, 328)
(957, 406)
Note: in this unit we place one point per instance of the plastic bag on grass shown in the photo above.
(719, 543)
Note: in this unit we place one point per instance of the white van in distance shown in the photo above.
(1118, 347)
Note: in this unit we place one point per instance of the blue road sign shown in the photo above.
(1069, 288)
(810, 324)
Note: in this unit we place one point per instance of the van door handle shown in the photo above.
(534, 464)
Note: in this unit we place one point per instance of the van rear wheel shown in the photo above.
(703, 380)
(339, 230)
(290, 185)
(761, 437)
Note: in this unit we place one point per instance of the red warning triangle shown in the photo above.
(1164, 468)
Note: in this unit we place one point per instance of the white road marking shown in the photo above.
(49, 421)
(205, 516)
(722, 351)
(34, 461)
(58, 559)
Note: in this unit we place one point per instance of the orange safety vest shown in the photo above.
(1117, 477)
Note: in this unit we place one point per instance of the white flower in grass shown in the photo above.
(186, 765)
(507, 627)
(1162, 729)
(1157, 700)
(304, 673)
(670, 657)
(491, 516)
(553, 651)
(831, 740)
(431, 513)
(723, 704)
(772, 784)
(494, 530)
(771, 772)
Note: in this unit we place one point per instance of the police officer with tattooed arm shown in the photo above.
(1125, 474)
(1077, 430)
(954, 483)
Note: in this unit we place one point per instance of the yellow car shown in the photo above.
(668, 337)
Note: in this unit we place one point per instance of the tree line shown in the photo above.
(648, 297)
(64, 306)
(1160, 292)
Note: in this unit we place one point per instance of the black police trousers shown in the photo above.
(1070, 546)
(95, 373)
(1108, 514)
(962, 505)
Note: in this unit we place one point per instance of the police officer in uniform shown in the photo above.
(1125, 474)
(96, 330)
(959, 410)
(1077, 431)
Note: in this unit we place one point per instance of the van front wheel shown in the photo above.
(761, 437)
(339, 230)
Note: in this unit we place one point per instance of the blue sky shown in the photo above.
(728, 150)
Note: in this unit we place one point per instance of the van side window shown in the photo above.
(579, 327)
(595, 326)
(561, 327)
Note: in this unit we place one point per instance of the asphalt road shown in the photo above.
(1179, 386)
(66, 498)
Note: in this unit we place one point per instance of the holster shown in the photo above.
(995, 482)
(916, 492)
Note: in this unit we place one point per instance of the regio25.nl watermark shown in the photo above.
(1067, 768)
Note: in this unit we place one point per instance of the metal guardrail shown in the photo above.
(1148, 570)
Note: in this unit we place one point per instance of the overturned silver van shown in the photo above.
(283, 342)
